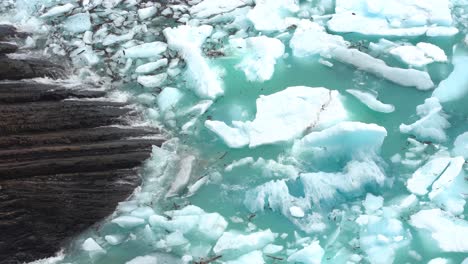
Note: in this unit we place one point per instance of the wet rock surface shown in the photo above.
(64, 162)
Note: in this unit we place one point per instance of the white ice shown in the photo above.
(456, 85)
(461, 146)
(187, 40)
(432, 122)
(310, 254)
(448, 232)
(371, 101)
(288, 113)
(405, 77)
(146, 50)
(259, 55)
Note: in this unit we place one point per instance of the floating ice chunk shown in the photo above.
(148, 12)
(114, 239)
(183, 176)
(270, 15)
(92, 247)
(419, 55)
(448, 191)
(143, 212)
(187, 40)
(77, 23)
(267, 168)
(390, 18)
(272, 249)
(260, 56)
(296, 211)
(381, 237)
(344, 141)
(411, 55)
(432, 51)
(58, 10)
(456, 85)
(426, 175)
(254, 257)
(208, 8)
(232, 137)
(143, 260)
(405, 77)
(448, 232)
(112, 39)
(234, 243)
(432, 123)
(439, 261)
(128, 222)
(152, 81)
(442, 31)
(372, 203)
(176, 239)
(371, 101)
(311, 39)
(168, 98)
(311, 254)
(193, 221)
(146, 50)
(151, 66)
(461, 146)
(284, 116)
(322, 187)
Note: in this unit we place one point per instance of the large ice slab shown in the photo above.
(456, 85)
(461, 145)
(432, 123)
(423, 178)
(283, 116)
(235, 243)
(327, 188)
(310, 39)
(448, 232)
(391, 18)
(259, 56)
(271, 15)
(187, 40)
(310, 254)
(344, 141)
(420, 55)
(405, 77)
(448, 191)
(382, 236)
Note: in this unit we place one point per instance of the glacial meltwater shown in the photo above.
(298, 131)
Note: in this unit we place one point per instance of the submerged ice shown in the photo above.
(301, 131)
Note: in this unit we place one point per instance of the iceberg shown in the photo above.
(456, 85)
(311, 39)
(345, 141)
(391, 18)
(461, 145)
(289, 113)
(404, 77)
(448, 233)
(310, 254)
(432, 124)
(260, 55)
(234, 243)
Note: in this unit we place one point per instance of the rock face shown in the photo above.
(64, 165)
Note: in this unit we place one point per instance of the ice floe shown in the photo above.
(288, 113)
